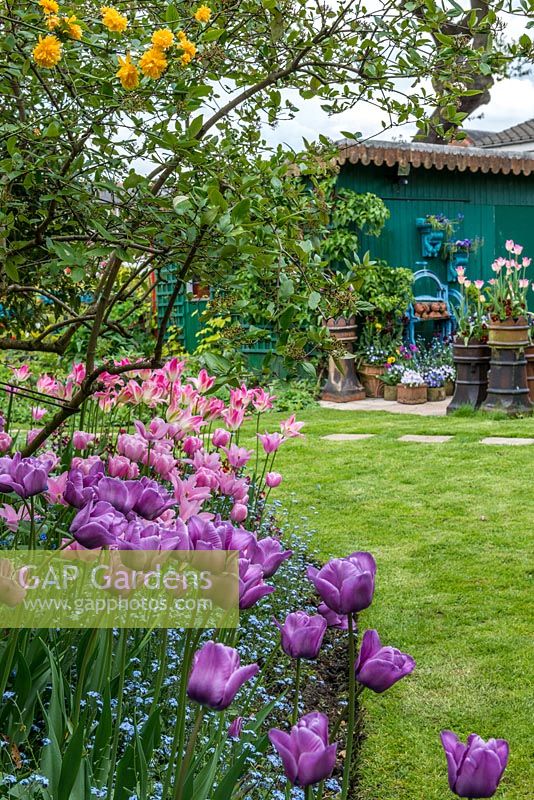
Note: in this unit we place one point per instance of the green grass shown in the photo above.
(450, 526)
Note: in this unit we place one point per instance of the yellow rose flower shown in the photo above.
(49, 6)
(391, 360)
(47, 52)
(378, 326)
(113, 20)
(188, 47)
(153, 63)
(72, 28)
(52, 21)
(128, 73)
(163, 39)
(203, 14)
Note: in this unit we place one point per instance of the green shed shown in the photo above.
(491, 190)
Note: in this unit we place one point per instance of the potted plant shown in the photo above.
(373, 353)
(435, 229)
(412, 388)
(507, 299)
(391, 376)
(529, 355)
(471, 353)
(435, 381)
(457, 254)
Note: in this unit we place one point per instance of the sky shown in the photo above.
(512, 102)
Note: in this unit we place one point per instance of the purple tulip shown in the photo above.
(379, 667)
(475, 769)
(333, 620)
(217, 676)
(268, 553)
(302, 635)
(25, 477)
(152, 499)
(235, 728)
(80, 488)
(98, 525)
(306, 755)
(346, 584)
(121, 494)
(251, 585)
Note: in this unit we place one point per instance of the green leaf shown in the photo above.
(241, 210)
(195, 126)
(216, 198)
(52, 131)
(102, 745)
(130, 768)
(313, 300)
(11, 270)
(213, 34)
(72, 760)
(171, 13)
(287, 287)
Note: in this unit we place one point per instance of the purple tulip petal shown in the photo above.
(237, 679)
(282, 744)
(313, 767)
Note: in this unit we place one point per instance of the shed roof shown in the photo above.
(420, 154)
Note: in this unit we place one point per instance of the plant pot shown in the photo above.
(449, 388)
(370, 376)
(342, 328)
(436, 393)
(390, 392)
(512, 333)
(342, 386)
(529, 355)
(411, 395)
(472, 366)
(507, 385)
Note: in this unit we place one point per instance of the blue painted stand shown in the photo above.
(431, 239)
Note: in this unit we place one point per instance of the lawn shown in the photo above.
(450, 526)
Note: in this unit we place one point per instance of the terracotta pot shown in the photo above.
(342, 386)
(436, 393)
(390, 392)
(411, 395)
(343, 328)
(529, 355)
(449, 388)
(512, 333)
(370, 378)
(472, 365)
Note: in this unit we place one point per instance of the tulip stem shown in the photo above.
(122, 653)
(308, 793)
(352, 708)
(295, 714)
(180, 783)
(162, 667)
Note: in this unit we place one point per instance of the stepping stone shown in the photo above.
(510, 441)
(425, 439)
(347, 437)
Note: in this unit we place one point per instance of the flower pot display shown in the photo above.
(342, 386)
(472, 365)
(510, 333)
(529, 355)
(390, 392)
(435, 394)
(371, 378)
(411, 395)
(507, 386)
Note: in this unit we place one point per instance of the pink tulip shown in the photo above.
(13, 516)
(5, 442)
(239, 513)
(38, 413)
(203, 382)
(122, 467)
(221, 437)
(192, 444)
(273, 479)
(21, 373)
(290, 428)
(77, 372)
(270, 441)
(234, 417)
(237, 456)
(509, 245)
(157, 429)
(81, 439)
(262, 400)
(131, 446)
(479, 284)
(174, 368)
(526, 262)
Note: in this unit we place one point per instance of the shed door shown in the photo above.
(517, 223)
